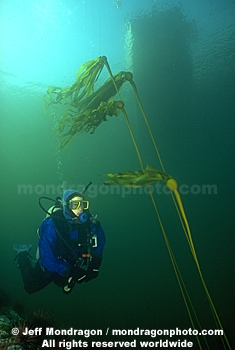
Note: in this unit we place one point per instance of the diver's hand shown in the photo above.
(79, 275)
(91, 274)
(81, 278)
(93, 269)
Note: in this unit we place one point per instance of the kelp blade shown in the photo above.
(137, 178)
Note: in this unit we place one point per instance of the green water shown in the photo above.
(182, 58)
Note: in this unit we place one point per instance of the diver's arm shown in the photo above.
(97, 252)
(47, 245)
(93, 269)
(100, 241)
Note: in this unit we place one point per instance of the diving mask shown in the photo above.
(76, 204)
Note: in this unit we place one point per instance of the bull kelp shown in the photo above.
(85, 106)
(85, 109)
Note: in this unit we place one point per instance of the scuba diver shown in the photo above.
(70, 246)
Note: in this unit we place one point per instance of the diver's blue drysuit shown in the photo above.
(55, 255)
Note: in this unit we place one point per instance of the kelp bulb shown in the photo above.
(172, 185)
(128, 76)
(119, 104)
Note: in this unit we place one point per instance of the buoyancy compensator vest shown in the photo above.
(75, 242)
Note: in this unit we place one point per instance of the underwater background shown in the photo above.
(182, 56)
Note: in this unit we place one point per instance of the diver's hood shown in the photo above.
(68, 214)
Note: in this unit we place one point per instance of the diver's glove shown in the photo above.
(76, 275)
(91, 274)
(69, 285)
(93, 269)
(79, 274)
(82, 277)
